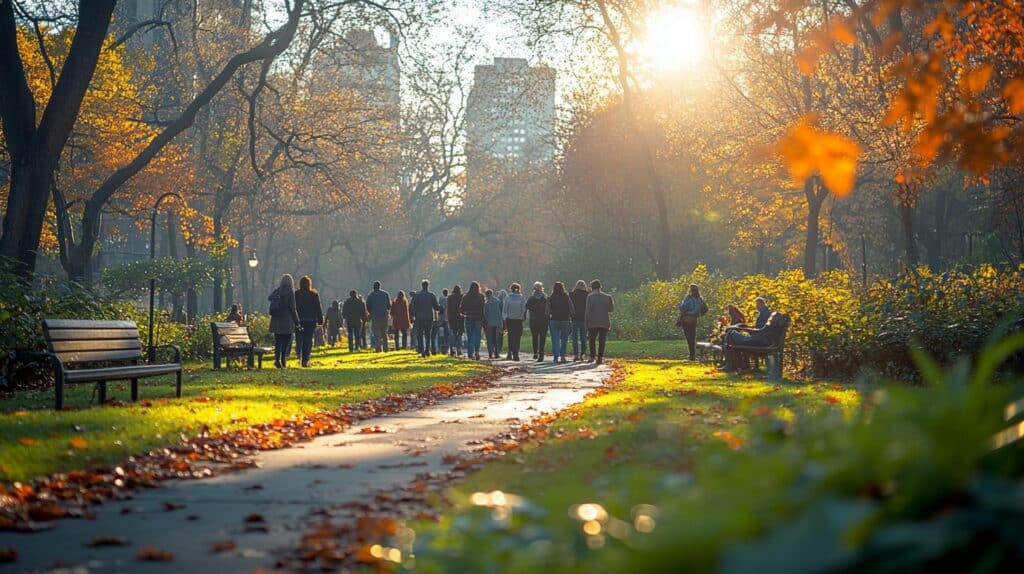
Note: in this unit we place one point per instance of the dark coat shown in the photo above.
(579, 303)
(599, 309)
(378, 303)
(334, 318)
(307, 305)
(537, 308)
(454, 311)
(560, 307)
(423, 305)
(354, 312)
(285, 321)
(473, 306)
(400, 319)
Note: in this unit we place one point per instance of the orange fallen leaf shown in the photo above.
(108, 541)
(27, 441)
(372, 430)
(224, 545)
(78, 442)
(153, 554)
(831, 400)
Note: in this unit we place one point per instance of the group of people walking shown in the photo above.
(447, 323)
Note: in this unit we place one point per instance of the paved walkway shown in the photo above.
(292, 482)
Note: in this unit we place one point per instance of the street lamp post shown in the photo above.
(253, 262)
(151, 352)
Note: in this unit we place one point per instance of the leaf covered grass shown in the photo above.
(35, 440)
(650, 349)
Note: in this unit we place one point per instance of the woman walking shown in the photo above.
(334, 323)
(400, 320)
(493, 324)
(311, 314)
(283, 319)
(537, 307)
(579, 326)
(473, 315)
(562, 311)
(501, 295)
(514, 312)
(691, 309)
(456, 326)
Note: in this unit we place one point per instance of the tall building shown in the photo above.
(510, 114)
(371, 70)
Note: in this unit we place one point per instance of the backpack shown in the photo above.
(703, 307)
(275, 304)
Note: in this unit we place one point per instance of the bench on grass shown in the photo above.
(773, 354)
(100, 351)
(233, 340)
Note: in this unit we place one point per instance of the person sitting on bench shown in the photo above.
(767, 336)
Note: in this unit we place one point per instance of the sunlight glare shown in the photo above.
(674, 40)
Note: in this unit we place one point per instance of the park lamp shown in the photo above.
(253, 261)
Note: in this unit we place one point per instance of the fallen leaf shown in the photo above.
(153, 554)
(109, 541)
(77, 442)
(27, 441)
(253, 518)
(372, 430)
(8, 554)
(172, 506)
(223, 545)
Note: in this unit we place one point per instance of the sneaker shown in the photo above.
(600, 360)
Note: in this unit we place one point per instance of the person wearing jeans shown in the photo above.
(493, 322)
(514, 311)
(311, 314)
(578, 327)
(353, 311)
(598, 318)
(537, 307)
(378, 305)
(422, 308)
(561, 311)
(472, 308)
(283, 319)
(456, 323)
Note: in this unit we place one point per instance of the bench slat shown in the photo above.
(119, 373)
(87, 324)
(95, 345)
(90, 334)
(81, 356)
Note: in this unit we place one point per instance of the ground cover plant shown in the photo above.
(677, 466)
(35, 440)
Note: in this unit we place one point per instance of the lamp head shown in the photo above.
(253, 262)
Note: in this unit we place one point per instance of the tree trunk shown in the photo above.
(218, 264)
(814, 203)
(191, 297)
(910, 244)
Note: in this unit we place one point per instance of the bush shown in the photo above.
(914, 482)
(838, 327)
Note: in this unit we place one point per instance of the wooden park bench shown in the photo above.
(707, 350)
(773, 355)
(100, 351)
(233, 340)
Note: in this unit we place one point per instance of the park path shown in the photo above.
(291, 483)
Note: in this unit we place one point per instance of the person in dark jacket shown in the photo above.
(364, 326)
(422, 308)
(473, 314)
(283, 319)
(455, 322)
(537, 309)
(235, 315)
(378, 303)
(493, 324)
(333, 323)
(514, 311)
(561, 313)
(579, 326)
(311, 314)
(690, 311)
(353, 311)
(443, 332)
(400, 320)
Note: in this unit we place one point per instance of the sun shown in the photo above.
(674, 39)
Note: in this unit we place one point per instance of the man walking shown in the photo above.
(598, 319)
(422, 310)
(378, 304)
(352, 311)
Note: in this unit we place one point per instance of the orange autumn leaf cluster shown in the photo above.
(807, 151)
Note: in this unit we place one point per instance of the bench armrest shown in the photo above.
(24, 355)
(175, 348)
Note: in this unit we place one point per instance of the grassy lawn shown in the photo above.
(35, 440)
(652, 420)
(660, 349)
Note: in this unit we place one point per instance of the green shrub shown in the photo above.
(917, 481)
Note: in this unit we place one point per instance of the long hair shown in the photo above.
(474, 288)
(457, 290)
(287, 283)
(400, 296)
(735, 315)
(581, 284)
(306, 284)
(694, 290)
(558, 288)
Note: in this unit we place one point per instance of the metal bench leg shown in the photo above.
(259, 360)
(135, 389)
(177, 384)
(216, 358)
(102, 391)
(251, 359)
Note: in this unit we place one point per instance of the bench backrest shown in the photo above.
(82, 341)
(230, 335)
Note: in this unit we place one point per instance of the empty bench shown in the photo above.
(233, 340)
(99, 351)
(773, 355)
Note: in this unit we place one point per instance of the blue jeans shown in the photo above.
(454, 340)
(559, 338)
(442, 335)
(423, 328)
(282, 348)
(579, 338)
(473, 337)
(354, 334)
(304, 340)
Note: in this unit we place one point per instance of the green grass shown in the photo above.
(221, 400)
(654, 349)
(651, 422)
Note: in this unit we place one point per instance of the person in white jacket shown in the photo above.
(514, 312)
